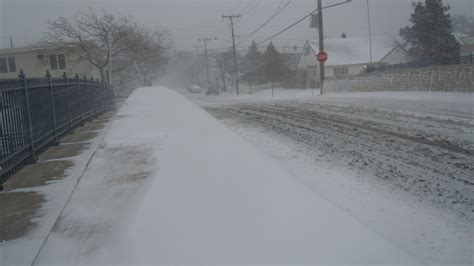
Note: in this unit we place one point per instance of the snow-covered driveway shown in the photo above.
(170, 184)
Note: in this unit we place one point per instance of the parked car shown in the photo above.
(194, 89)
(212, 90)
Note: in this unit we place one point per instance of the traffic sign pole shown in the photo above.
(321, 44)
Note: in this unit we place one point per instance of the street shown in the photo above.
(428, 156)
(399, 162)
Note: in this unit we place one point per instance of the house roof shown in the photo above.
(291, 59)
(355, 50)
(18, 49)
(467, 40)
(29, 48)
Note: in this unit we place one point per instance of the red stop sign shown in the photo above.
(322, 56)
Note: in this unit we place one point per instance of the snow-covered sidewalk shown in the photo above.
(170, 184)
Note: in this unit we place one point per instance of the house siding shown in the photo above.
(397, 56)
(33, 67)
(308, 62)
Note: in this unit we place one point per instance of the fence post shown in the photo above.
(431, 80)
(86, 85)
(53, 106)
(390, 83)
(80, 96)
(470, 81)
(22, 76)
(67, 99)
(92, 96)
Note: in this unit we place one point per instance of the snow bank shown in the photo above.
(214, 199)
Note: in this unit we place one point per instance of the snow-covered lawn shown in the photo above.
(171, 184)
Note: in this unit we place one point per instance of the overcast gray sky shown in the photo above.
(189, 20)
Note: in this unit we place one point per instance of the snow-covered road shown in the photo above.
(170, 184)
(428, 156)
(399, 162)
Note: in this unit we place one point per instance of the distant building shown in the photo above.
(35, 61)
(348, 56)
(467, 48)
(291, 59)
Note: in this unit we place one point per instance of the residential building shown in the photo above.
(348, 56)
(467, 49)
(36, 60)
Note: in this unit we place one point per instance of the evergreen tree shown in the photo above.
(430, 38)
(251, 65)
(274, 67)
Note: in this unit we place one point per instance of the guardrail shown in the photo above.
(35, 112)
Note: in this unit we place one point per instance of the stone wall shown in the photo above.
(459, 78)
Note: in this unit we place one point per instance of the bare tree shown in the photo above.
(99, 36)
(224, 64)
(145, 53)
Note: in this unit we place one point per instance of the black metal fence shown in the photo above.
(458, 60)
(35, 112)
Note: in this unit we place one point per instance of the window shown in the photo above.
(53, 62)
(341, 71)
(40, 57)
(7, 64)
(61, 61)
(3, 65)
(11, 64)
(57, 61)
(306, 51)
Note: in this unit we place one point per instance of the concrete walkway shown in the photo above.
(33, 197)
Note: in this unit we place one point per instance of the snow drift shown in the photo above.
(214, 199)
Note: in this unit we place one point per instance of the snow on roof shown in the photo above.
(30, 48)
(355, 50)
(467, 40)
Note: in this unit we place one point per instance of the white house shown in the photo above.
(36, 60)
(467, 48)
(349, 56)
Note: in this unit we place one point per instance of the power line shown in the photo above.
(297, 22)
(289, 27)
(279, 9)
(235, 7)
(250, 4)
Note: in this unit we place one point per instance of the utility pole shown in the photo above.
(197, 63)
(11, 42)
(236, 70)
(205, 40)
(370, 30)
(110, 57)
(321, 44)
